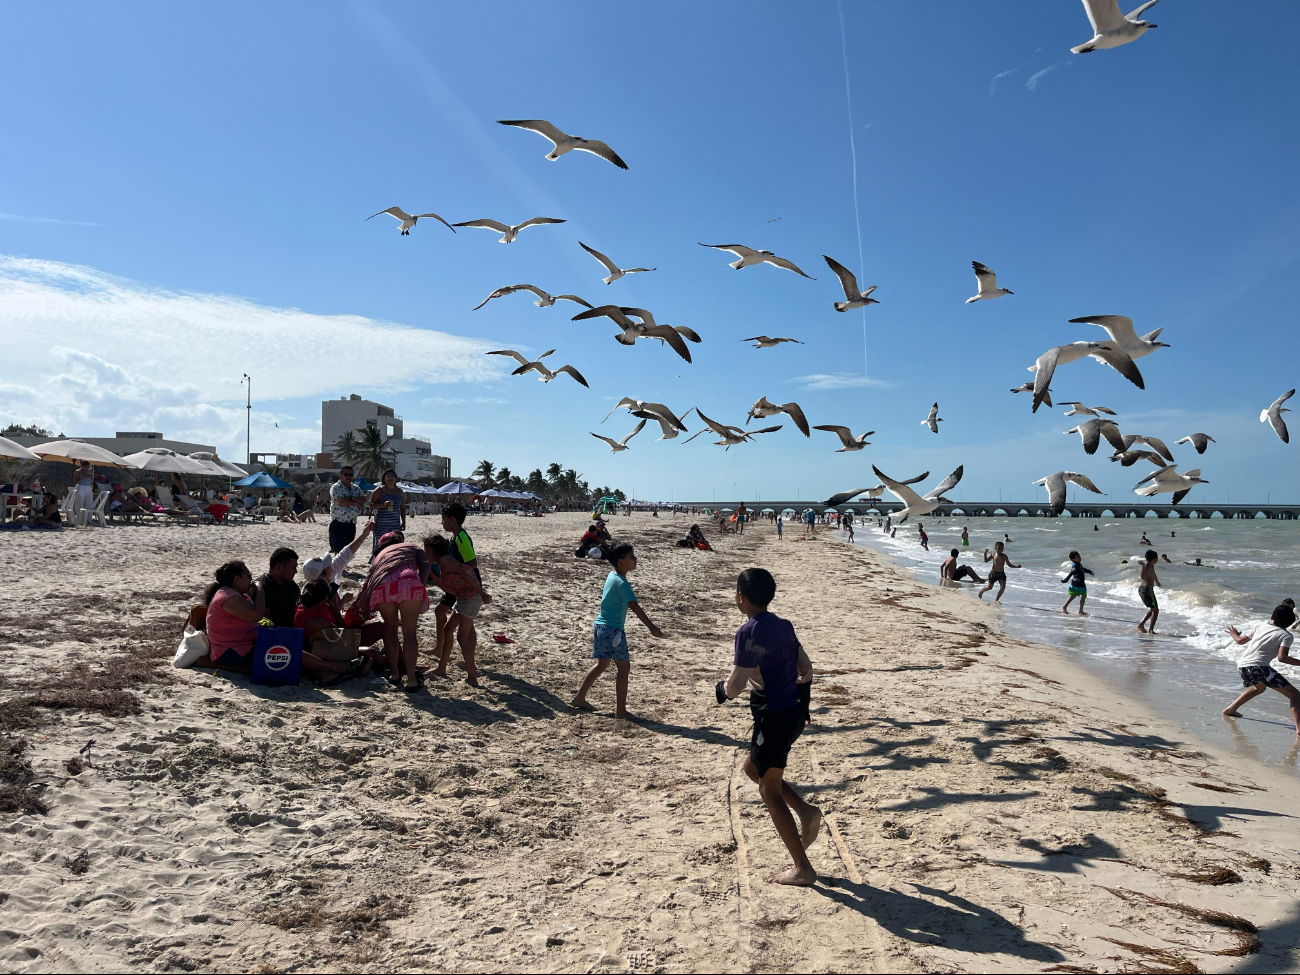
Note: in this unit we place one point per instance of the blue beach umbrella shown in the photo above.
(262, 480)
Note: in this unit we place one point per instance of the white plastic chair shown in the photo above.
(97, 513)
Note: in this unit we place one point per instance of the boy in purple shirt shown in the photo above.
(771, 663)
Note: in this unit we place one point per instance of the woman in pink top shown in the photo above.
(232, 617)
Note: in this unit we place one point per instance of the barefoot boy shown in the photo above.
(997, 574)
(609, 641)
(1147, 592)
(770, 661)
(1265, 643)
(457, 580)
(1078, 584)
(460, 625)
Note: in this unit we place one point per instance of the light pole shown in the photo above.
(248, 421)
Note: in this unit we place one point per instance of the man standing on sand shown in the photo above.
(997, 574)
(741, 512)
(810, 518)
(346, 500)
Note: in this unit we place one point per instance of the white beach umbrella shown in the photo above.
(166, 461)
(9, 448)
(223, 467)
(73, 451)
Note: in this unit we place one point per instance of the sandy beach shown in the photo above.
(990, 807)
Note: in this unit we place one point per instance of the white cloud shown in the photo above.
(841, 380)
(993, 83)
(1036, 78)
(207, 341)
(19, 218)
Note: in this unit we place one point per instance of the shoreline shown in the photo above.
(990, 805)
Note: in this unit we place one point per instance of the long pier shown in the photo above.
(1021, 509)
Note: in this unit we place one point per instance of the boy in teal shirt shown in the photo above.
(609, 641)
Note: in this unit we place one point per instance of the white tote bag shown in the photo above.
(194, 644)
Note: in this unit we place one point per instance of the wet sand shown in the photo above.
(990, 806)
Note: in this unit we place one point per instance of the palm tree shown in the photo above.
(374, 455)
(484, 473)
(346, 449)
(553, 473)
(503, 476)
(536, 483)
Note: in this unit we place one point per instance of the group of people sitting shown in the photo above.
(595, 541)
(342, 638)
(694, 539)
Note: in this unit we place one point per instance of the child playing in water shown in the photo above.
(609, 641)
(1265, 643)
(997, 574)
(1147, 592)
(770, 661)
(1078, 585)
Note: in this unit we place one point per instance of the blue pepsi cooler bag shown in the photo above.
(277, 655)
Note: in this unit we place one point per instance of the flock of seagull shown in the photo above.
(1119, 351)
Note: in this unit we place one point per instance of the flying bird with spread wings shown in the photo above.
(409, 220)
(730, 436)
(913, 503)
(508, 233)
(536, 365)
(562, 142)
(544, 300)
(749, 257)
(846, 436)
(1059, 355)
(853, 296)
(1273, 416)
(767, 342)
(616, 445)
(1055, 484)
(794, 411)
(1110, 28)
(633, 330)
(988, 284)
(615, 272)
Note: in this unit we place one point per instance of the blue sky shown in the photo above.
(184, 193)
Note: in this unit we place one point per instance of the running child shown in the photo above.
(609, 641)
(770, 661)
(1078, 585)
(997, 574)
(1147, 592)
(1266, 643)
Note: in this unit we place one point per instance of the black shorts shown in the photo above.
(1253, 676)
(773, 735)
(1148, 596)
(447, 600)
(997, 577)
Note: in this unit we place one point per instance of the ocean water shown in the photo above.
(1187, 671)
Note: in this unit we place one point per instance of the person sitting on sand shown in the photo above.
(458, 580)
(997, 574)
(609, 639)
(395, 589)
(330, 652)
(1266, 643)
(45, 513)
(278, 591)
(284, 512)
(231, 618)
(953, 572)
(770, 661)
(590, 540)
(1078, 584)
(694, 538)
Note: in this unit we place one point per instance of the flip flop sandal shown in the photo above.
(411, 688)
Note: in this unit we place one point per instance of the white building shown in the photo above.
(415, 456)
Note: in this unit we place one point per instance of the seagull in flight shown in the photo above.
(1167, 480)
(846, 437)
(544, 300)
(913, 503)
(874, 492)
(933, 419)
(767, 342)
(1123, 335)
(1091, 431)
(1029, 388)
(1273, 416)
(1055, 484)
(546, 375)
(616, 445)
(853, 298)
(648, 320)
(667, 418)
(615, 272)
(1059, 355)
(731, 436)
(633, 330)
(1198, 440)
(1130, 457)
(409, 220)
(988, 284)
(1155, 443)
(749, 257)
(793, 410)
(507, 232)
(944, 486)
(563, 142)
(1110, 28)
(1078, 409)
